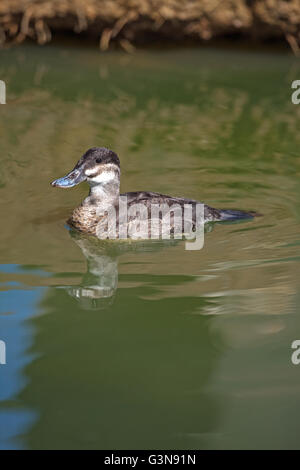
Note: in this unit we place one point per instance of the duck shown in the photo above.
(100, 168)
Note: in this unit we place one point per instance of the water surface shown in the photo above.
(150, 346)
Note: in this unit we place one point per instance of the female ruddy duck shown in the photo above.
(100, 167)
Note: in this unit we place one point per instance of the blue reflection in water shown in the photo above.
(13, 423)
(16, 307)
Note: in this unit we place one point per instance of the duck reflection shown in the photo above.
(99, 284)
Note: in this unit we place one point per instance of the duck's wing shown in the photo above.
(148, 198)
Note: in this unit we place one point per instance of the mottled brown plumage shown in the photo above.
(100, 167)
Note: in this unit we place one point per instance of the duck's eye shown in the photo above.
(98, 160)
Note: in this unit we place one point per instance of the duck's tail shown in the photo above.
(229, 214)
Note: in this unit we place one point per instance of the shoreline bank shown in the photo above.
(128, 23)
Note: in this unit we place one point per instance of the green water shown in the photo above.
(150, 346)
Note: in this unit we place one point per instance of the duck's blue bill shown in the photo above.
(71, 179)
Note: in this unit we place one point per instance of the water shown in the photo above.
(150, 346)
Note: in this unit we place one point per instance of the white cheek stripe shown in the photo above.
(89, 172)
(104, 177)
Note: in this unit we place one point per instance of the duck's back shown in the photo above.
(148, 198)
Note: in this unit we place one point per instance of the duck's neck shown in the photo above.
(104, 193)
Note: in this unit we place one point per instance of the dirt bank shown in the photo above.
(129, 22)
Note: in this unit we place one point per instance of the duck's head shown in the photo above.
(97, 166)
